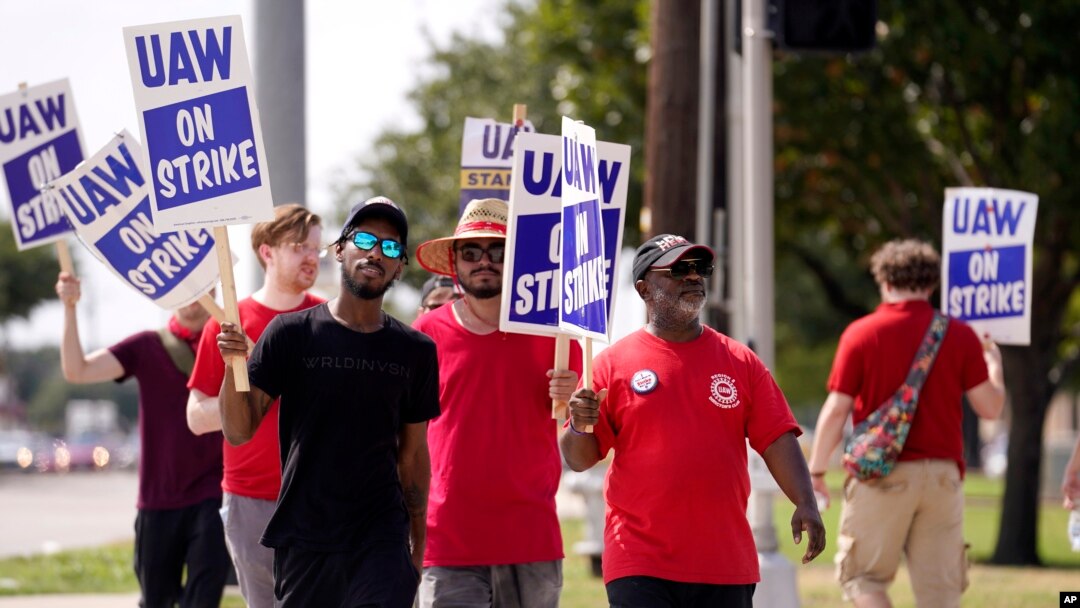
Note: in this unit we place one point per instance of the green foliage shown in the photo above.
(100, 570)
(581, 59)
(21, 272)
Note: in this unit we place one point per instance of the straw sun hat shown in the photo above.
(483, 218)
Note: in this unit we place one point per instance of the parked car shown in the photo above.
(16, 449)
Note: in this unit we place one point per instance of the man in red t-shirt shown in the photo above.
(288, 248)
(923, 495)
(177, 527)
(677, 401)
(493, 535)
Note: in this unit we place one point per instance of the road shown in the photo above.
(48, 512)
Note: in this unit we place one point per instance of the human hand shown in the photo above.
(1070, 489)
(561, 383)
(992, 356)
(68, 289)
(232, 342)
(821, 490)
(807, 517)
(585, 407)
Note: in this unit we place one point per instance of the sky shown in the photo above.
(353, 48)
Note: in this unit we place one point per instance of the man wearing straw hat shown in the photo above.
(677, 402)
(493, 534)
(356, 389)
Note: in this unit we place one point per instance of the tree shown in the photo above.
(956, 94)
(671, 151)
(21, 276)
(574, 58)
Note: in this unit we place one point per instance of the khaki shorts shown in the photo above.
(917, 511)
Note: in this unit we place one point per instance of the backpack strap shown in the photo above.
(180, 353)
(928, 349)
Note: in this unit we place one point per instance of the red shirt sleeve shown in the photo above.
(209, 369)
(847, 374)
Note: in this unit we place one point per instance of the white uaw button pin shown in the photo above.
(644, 381)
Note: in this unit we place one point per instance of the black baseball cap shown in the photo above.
(434, 283)
(378, 206)
(663, 250)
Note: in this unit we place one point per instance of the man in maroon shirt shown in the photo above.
(918, 510)
(177, 525)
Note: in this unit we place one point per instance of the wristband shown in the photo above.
(817, 474)
(575, 431)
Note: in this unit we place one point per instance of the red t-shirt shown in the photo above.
(252, 470)
(874, 357)
(678, 416)
(495, 462)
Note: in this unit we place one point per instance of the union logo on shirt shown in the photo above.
(723, 392)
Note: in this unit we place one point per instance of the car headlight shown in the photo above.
(100, 456)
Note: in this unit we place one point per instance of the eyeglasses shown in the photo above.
(683, 268)
(475, 253)
(305, 250)
(367, 241)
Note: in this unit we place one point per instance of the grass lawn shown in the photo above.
(108, 569)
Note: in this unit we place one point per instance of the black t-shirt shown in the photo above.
(344, 398)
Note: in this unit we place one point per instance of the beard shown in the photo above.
(364, 292)
(674, 312)
(480, 293)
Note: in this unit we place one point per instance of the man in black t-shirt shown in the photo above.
(357, 388)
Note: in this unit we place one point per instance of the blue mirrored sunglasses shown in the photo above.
(367, 241)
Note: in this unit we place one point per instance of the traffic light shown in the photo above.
(845, 26)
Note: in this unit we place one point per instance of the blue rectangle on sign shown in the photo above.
(202, 148)
(584, 286)
(987, 283)
(37, 214)
(534, 297)
(153, 263)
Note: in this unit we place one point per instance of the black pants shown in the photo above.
(378, 575)
(649, 592)
(167, 540)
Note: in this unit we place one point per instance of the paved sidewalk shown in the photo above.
(104, 600)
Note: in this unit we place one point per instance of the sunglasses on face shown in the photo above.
(367, 241)
(682, 269)
(475, 253)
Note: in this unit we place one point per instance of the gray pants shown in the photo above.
(245, 520)
(532, 585)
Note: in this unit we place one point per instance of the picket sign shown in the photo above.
(988, 239)
(40, 140)
(195, 96)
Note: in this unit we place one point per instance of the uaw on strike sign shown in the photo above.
(487, 150)
(193, 90)
(39, 142)
(532, 283)
(106, 201)
(986, 263)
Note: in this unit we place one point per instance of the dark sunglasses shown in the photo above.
(367, 241)
(682, 269)
(475, 253)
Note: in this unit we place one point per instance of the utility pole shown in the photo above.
(279, 89)
(777, 588)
